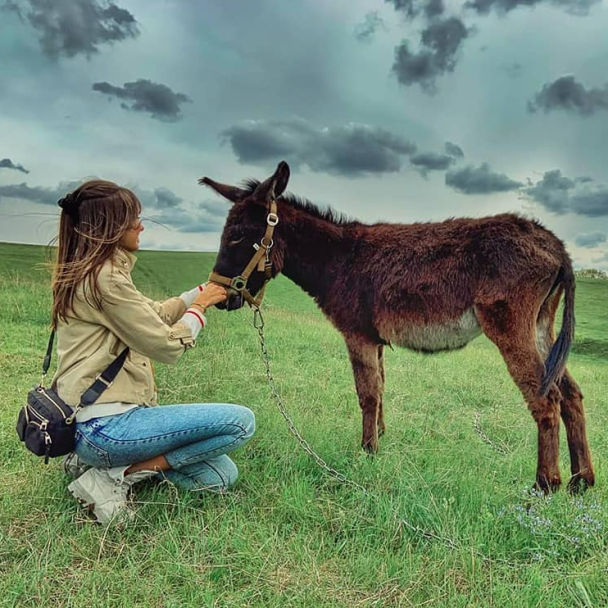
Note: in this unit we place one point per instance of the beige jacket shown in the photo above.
(91, 339)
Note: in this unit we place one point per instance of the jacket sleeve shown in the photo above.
(170, 311)
(128, 314)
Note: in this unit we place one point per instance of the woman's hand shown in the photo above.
(211, 295)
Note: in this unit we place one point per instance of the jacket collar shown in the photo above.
(125, 259)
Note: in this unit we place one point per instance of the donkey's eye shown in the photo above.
(233, 243)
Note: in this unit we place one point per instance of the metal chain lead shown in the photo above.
(258, 323)
(483, 436)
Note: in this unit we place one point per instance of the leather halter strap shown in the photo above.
(260, 260)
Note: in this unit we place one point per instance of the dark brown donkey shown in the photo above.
(428, 287)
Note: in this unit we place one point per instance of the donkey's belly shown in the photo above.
(449, 335)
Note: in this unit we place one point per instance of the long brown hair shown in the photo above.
(93, 219)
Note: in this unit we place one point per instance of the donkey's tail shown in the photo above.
(556, 361)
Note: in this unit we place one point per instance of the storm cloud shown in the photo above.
(156, 99)
(565, 93)
(430, 161)
(413, 8)
(575, 7)
(479, 180)
(590, 239)
(439, 45)
(560, 194)
(37, 194)
(351, 150)
(7, 163)
(453, 150)
(73, 27)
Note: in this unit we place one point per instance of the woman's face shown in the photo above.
(130, 238)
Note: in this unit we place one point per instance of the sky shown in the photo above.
(386, 110)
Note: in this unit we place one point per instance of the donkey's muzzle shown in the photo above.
(234, 302)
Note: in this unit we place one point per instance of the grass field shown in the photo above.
(458, 460)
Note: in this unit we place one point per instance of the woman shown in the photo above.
(97, 311)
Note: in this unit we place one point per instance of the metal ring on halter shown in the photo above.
(238, 283)
(267, 246)
(272, 219)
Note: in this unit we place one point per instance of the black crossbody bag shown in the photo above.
(47, 424)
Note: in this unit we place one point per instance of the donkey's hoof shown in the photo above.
(580, 482)
(371, 447)
(547, 485)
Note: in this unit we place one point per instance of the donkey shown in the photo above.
(424, 286)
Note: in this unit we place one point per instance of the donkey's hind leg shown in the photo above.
(364, 359)
(573, 415)
(572, 410)
(381, 425)
(513, 331)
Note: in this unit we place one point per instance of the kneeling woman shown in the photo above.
(97, 312)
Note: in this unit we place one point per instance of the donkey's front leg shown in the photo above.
(364, 359)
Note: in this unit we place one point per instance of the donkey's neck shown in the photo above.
(313, 249)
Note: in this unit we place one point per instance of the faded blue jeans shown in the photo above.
(194, 438)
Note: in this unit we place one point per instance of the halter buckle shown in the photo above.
(238, 283)
(272, 219)
(269, 246)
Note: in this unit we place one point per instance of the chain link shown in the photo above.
(484, 437)
(258, 323)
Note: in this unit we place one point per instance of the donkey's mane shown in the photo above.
(303, 204)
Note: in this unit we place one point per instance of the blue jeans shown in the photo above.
(194, 439)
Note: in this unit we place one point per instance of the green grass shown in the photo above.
(288, 535)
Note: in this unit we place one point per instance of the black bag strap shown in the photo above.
(102, 381)
(47, 358)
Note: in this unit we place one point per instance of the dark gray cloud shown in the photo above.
(566, 93)
(159, 198)
(453, 150)
(37, 194)
(353, 149)
(551, 191)
(72, 27)
(413, 8)
(576, 7)
(371, 23)
(439, 45)
(590, 239)
(146, 96)
(479, 180)
(7, 163)
(560, 194)
(430, 161)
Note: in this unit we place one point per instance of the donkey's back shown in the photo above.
(429, 278)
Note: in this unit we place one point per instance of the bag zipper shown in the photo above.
(34, 413)
(40, 390)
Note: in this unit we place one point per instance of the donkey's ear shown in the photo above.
(232, 193)
(274, 186)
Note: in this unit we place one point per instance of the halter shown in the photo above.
(260, 259)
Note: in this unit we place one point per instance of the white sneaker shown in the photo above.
(74, 466)
(105, 491)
